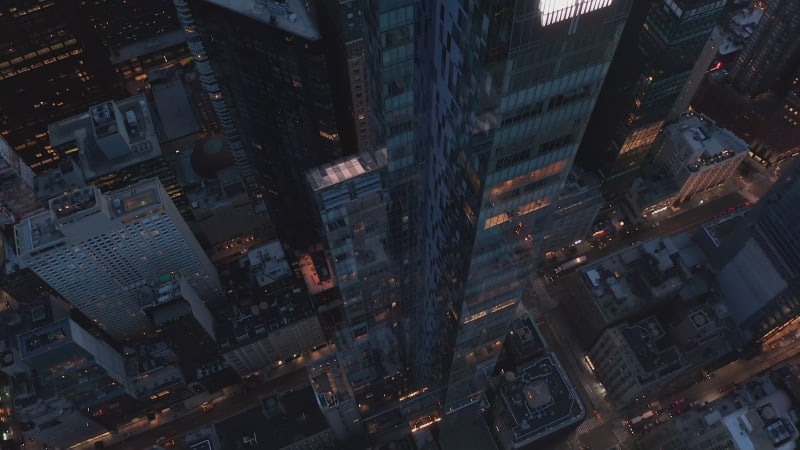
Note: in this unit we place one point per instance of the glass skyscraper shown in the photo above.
(479, 108)
(512, 86)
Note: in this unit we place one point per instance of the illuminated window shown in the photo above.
(553, 11)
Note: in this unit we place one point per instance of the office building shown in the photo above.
(347, 32)
(692, 155)
(100, 252)
(116, 144)
(134, 62)
(534, 402)
(335, 397)
(757, 415)
(433, 238)
(772, 51)
(760, 264)
(634, 360)
(575, 211)
(272, 319)
(272, 65)
(351, 195)
(633, 282)
(47, 73)
(182, 353)
(17, 199)
(675, 48)
(495, 167)
(228, 125)
(65, 375)
(697, 154)
(117, 23)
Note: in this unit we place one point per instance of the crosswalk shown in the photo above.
(539, 290)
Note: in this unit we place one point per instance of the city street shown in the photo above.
(558, 331)
(176, 427)
(674, 225)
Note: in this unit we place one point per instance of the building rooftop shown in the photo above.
(329, 382)
(541, 400)
(524, 338)
(317, 273)
(722, 227)
(44, 229)
(655, 357)
(268, 263)
(63, 178)
(709, 143)
(134, 199)
(139, 48)
(290, 16)
(624, 283)
(755, 416)
(345, 169)
(17, 200)
(279, 422)
(176, 116)
(111, 136)
(744, 21)
(263, 313)
(45, 339)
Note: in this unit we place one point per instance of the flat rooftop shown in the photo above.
(291, 16)
(144, 47)
(110, 136)
(541, 400)
(345, 169)
(41, 230)
(133, 199)
(175, 113)
(317, 275)
(16, 197)
(279, 422)
(45, 339)
(525, 336)
(268, 263)
(647, 341)
(622, 284)
(263, 313)
(328, 381)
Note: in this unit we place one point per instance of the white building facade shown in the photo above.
(103, 252)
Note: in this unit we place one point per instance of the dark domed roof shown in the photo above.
(210, 156)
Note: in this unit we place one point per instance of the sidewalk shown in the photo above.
(141, 425)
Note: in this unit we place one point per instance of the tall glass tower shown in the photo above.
(480, 107)
(512, 86)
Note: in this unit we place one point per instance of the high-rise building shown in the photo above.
(759, 280)
(350, 62)
(116, 23)
(117, 144)
(480, 108)
(575, 211)
(691, 155)
(772, 50)
(272, 65)
(507, 91)
(65, 364)
(675, 48)
(352, 197)
(100, 252)
(47, 73)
